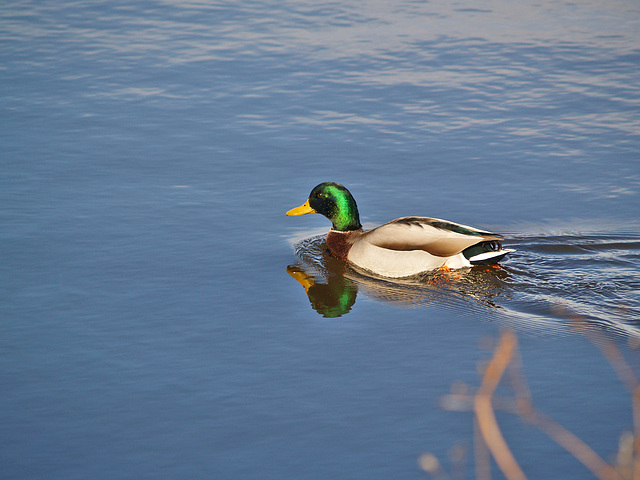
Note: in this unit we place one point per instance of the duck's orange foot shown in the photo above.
(444, 268)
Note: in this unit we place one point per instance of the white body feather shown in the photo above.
(397, 264)
(411, 245)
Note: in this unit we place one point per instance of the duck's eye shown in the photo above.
(319, 194)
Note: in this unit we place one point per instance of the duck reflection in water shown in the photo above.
(331, 299)
(332, 285)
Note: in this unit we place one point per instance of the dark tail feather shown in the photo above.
(486, 253)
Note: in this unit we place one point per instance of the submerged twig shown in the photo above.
(613, 354)
(488, 438)
(562, 436)
(485, 414)
(481, 454)
(573, 444)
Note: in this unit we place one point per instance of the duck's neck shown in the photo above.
(344, 214)
(339, 243)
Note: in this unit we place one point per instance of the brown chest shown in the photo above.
(339, 243)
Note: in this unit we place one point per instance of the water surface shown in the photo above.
(151, 325)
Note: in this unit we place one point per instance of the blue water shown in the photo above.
(150, 328)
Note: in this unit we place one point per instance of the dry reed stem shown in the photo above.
(485, 414)
(573, 444)
(481, 454)
(563, 437)
(627, 377)
(487, 434)
(613, 354)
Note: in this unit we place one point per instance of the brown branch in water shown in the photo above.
(487, 434)
(485, 414)
(507, 356)
(624, 372)
(572, 444)
(524, 400)
(611, 352)
(563, 437)
(481, 454)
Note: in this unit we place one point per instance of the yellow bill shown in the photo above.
(301, 210)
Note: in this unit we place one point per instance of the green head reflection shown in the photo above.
(331, 299)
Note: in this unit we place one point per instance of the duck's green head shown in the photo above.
(334, 202)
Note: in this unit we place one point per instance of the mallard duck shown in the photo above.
(400, 248)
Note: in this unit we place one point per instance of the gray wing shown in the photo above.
(433, 235)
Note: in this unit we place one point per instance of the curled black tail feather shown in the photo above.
(485, 253)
